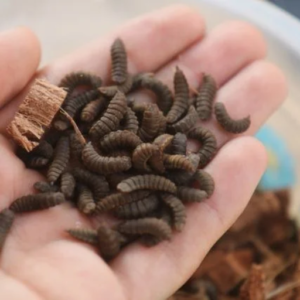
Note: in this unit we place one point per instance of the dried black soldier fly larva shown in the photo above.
(85, 202)
(77, 79)
(93, 109)
(45, 187)
(7, 217)
(179, 144)
(130, 121)
(119, 62)
(67, 184)
(205, 181)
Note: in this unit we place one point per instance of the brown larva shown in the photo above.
(150, 182)
(163, 141)
(180, 162)
(93, 109)
(76, 146)
(178, 210)
(118, 153)
(130, 121)
(208, 144)
(60, 159)
(110, 91)
(118, 61)
(44, 149)
(118, 199)
(205, 98)
(36, 162)
(116, 178)
(120, 139)
(45, 187)
(205, 181)
(186, 123)
(187, 194)
(180, 104)
(85, 235)
(67, 184)
(102, 164)
(36, 202)
(179, 144)
(138, 209)
(162, 123)
(7, 217)
(85, 201)
(76, 79)
(229, 124)
(111, 118)
(96, 183)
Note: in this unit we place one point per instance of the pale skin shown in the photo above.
(39, 261)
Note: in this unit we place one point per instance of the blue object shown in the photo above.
(280, 173)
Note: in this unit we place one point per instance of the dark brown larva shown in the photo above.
(208, 144)
(178, 210)
(138, 209)
(96, 183)
(116, 178)
(186, 194)
(120, 140)
(110, 91)
(103, 164)
(85, 235)
(130, 121)
(76, 146)
(111, 118)
(60, 159)
(119, 61)
(229, 124)
(7, 217)
(150, 182)
(76, 79)
(162, 123)
(36, 162)
(163, 141)
(44, 149)
(149, 226)
(181, 101)
(118, 153)
(93, 109)
(45, 187)
(205, 181)
(186, 123)
(36, 202)
(179, 144)
(67, 184)
(118, 199)
(178, 162)
(85, 200)
(205, 98)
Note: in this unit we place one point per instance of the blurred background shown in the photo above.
(65, 25)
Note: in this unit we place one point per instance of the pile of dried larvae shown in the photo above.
(108, 152)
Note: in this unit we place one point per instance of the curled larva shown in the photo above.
(138, 209)
(150, 182)
(110, 91)
(181, 100)
(120, 139)
(147, 226)
(45, 187)
(116, 178)
(208, 144)
(103, 164)
(85, 201)
(204, 100)
(36, 162)
(93, 109)
(118, 153)
(76, 79)
(36, 202)
(205, 181)
(179, 144)
(177, 208)
(43, 149)
(60, 159)
(130, 121)
(177, 161)
(186, 123)
(111, 118)
(7, 217)
(229, 124)
(76, 146)
(118, 199)
(163, 141)
(67, 184)
(186, 194)
(118, 61)
(96, 183)
(85, 235)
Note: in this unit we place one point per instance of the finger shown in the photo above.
(151, 41)
(236, 171)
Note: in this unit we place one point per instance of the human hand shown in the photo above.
(38, 260)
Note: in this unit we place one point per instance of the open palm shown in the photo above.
(39, 261)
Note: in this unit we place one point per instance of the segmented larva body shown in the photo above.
(103, 164)
(7, 217)
(138, 209)
(162, 123)
(116, 178)
(147, 226)
(118, 153)
(178, 162)
(36, 202)
(130, 121)
(111, 118)
(181, 101)
(229, 124)
(85, 200)
(85, 235)
(119, 61)
(178, 210)
(60, 159)
(44, 149)
(187, 194)
(45, 187)
(76, 79)
(186, 123)
(76, 146)
(205, 98)
(96, 183)
(149, 182)
(208, 144)
(93, 109)
(163, 141)
(179, 144)
(37, 162)
(67, 184)
(205, 181)
(110, 91)
(120, 140)
(119, 199)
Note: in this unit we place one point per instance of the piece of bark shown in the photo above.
(36, 113)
